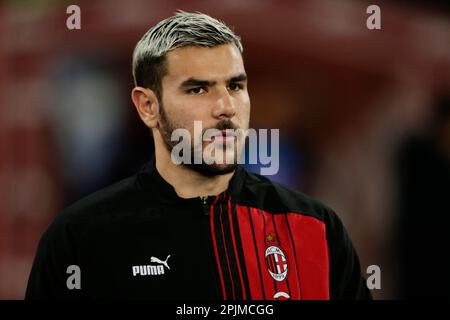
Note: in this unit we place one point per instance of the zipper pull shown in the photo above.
(204, 201)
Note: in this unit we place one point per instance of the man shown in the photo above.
(197, 230)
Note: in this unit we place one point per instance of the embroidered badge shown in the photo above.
(276, 263)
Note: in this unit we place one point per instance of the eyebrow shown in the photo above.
(193, 82)
(239, 78)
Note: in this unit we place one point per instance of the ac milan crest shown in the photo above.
(276, 263)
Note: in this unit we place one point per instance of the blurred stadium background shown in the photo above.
(363, 115)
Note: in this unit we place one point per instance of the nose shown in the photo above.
(224, 106)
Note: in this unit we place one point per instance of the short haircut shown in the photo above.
(182, 29)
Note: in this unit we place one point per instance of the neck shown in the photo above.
(187, 182)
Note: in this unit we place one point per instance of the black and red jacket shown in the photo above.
(138, 239)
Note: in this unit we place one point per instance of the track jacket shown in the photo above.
(137, 239)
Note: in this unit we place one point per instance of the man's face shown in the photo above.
(207, 85)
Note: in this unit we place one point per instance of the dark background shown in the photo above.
(363, 118)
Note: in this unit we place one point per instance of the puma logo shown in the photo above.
(154, 259)
(151, 270)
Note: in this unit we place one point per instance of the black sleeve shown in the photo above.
(55, 253)
(346, 280)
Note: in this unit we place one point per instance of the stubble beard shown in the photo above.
(167, 127)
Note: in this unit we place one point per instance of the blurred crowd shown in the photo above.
(364, 119)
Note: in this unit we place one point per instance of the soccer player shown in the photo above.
(195, 229)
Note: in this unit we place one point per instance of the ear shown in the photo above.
(147, 105)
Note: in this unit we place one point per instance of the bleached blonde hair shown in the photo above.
(182, 29)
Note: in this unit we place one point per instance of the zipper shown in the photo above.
(213, 277)
(204, 201)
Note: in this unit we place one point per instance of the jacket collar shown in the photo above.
(150, 180)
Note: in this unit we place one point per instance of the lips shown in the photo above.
(223, 137)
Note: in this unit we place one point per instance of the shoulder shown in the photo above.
(273, 197)
(111, 204)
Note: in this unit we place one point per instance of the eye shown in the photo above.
(196, 90)
(235, 86)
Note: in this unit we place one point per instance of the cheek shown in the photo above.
(245, 102)
(244, 114)
(179, 112)
(187, 115)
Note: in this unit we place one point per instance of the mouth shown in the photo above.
(224, 137)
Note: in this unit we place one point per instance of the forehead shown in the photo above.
(207, 63)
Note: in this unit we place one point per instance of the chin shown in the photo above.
(213, 169)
